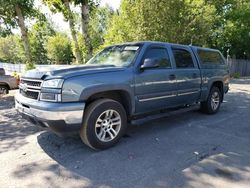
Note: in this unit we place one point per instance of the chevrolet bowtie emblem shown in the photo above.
(24, 87)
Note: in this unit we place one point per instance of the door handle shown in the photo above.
(172, 77)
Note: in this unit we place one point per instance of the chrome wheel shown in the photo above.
(215, 100)
(108, 125)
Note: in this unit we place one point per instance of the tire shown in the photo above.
(213, 102)
(4, 90)
(104, 123)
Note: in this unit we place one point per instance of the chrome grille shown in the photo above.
(30, 88)
(32, 83)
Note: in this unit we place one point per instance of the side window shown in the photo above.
(210, 57)
(159, 54)
(183, 58)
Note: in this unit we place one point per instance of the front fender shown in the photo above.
(90, 91)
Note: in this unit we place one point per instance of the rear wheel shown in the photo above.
(213, 102)
(4, 90)
(104, 123)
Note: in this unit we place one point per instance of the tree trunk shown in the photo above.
(73, 32)
(85, 32)
(24, 32)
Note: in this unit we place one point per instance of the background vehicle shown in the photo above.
(121, 84)
(7, 82)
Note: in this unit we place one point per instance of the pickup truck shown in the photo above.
(7, 82)
(121, 84)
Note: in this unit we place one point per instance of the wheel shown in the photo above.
(104, 123)
(213, 102)
(4, 90)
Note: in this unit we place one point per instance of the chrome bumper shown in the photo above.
(70, 113)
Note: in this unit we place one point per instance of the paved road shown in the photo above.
(187, 150)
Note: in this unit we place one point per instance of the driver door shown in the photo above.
(155, 87)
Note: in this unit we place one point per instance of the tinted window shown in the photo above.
(183, 58)
(159, 54)
(210, 57)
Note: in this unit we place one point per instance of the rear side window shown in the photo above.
(210, 57)
(183, 58)
(159, 54)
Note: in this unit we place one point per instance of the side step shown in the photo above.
(166, 113)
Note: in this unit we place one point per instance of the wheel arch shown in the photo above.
(219, 84)
(119, 95)
(5, 84)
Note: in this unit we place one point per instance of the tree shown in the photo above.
(86, 7)
(63, 6)
(38, 36)
(186, 22)
(4, 31)
(11, 50)
(85, 25)
(59, 49)
(13, 13)
(231, 30)
(98, 25)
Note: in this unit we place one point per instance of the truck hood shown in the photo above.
(70, 71)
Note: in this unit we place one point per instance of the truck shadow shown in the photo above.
(169, 152)
(13, 129)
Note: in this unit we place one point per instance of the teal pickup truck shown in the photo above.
(123, 84)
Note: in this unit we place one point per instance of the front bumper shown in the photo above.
(61, 118)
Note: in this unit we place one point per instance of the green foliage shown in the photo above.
(232, 29)
(7, 10)
(186, 22)
(13, 13)
(222, 24)
(59, 49)
(236, 75)
(98, 26)
(11, 49)
(4, 32)
(29, 66)
(38, 37)
(57, 6)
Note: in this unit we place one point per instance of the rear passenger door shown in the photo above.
(187, 74)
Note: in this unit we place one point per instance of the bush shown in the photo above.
(236, 75)
(59, 49)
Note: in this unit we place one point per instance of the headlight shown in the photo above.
(52, 97)
(54, 83)
(51, 94)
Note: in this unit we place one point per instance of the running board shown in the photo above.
(168, 113)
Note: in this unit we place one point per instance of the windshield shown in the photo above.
(120, 56)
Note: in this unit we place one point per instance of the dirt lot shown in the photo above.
(186, 150)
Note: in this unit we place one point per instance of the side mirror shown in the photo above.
(150, 63)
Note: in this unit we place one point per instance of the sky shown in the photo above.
(58, 18)
(113, 3)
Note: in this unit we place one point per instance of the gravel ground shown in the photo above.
(186, 150)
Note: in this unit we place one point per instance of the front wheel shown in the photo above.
(104, 123)
(213, 102)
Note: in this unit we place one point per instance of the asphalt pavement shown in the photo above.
(190, 149)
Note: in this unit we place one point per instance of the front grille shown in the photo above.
(32, 83)
(30, 88)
